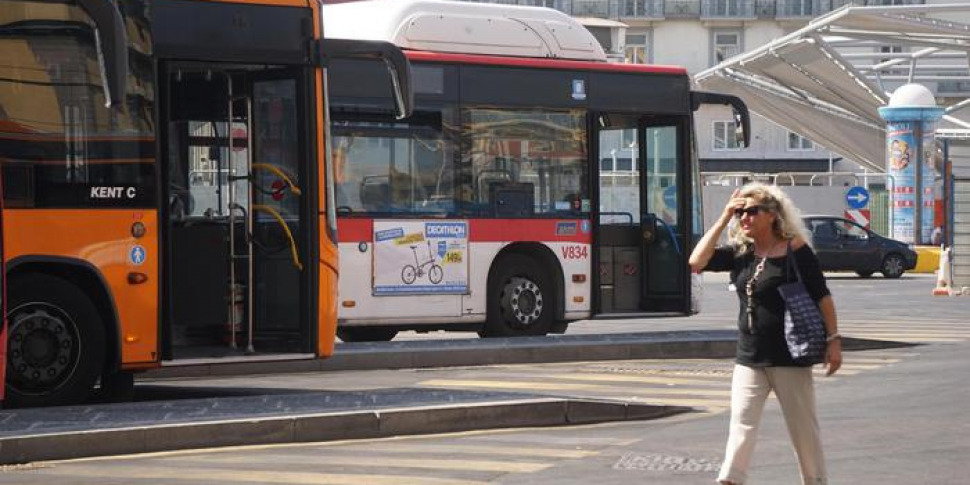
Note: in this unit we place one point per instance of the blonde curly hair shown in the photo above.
(788, 223)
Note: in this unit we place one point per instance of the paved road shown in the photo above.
(912, 431)
(924, 400)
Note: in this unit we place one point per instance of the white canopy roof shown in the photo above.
(807, 83)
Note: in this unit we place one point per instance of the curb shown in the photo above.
(718, 344)
(470, 352)
(531, 412)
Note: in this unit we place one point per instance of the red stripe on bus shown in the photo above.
(543, 63)
(355, 230)
(514, 230)
(487, 230)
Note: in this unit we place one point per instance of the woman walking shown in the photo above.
(769, 226)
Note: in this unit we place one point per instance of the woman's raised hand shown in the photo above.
(734, 202)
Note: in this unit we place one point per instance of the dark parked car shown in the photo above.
(843, 245)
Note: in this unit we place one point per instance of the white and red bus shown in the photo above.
(535, 184)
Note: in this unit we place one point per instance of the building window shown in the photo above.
(726, 45)
(798, 143)
(724, 139)
(892, 50)
(637, 49)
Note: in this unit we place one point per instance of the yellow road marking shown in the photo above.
(195, 475)
(900, 337)
(716, 381)
(908, 331)
(854, 365)
(479, 449)
(647, 395)
(820, 372)
(851, 358)
(934, 321)
(384, 461)
(703, 403)
(905, 328)
(548, 386)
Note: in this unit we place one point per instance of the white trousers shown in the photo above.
(795, 390)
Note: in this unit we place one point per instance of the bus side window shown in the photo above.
(487, 179)
(511, 199)
(375, 193)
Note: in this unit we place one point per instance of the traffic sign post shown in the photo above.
(859, 216)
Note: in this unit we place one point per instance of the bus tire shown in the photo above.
(55, 343)
(520, 299)
(366, 334)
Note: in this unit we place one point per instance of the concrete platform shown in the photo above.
(84, 431)
(416, 354)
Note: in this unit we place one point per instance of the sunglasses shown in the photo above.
(751, 211)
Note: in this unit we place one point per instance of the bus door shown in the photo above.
(236, 210)
(3, 305)
(639, 235)
(665, 178)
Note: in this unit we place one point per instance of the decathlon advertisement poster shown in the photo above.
(420, 257)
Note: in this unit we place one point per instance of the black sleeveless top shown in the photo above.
(765, 346)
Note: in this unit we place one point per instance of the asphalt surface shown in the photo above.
(340, 400)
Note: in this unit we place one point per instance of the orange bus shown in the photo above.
(167, 189)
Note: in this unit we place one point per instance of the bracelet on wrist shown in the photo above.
(834, 336)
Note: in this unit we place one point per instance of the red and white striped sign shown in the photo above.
(859, 216)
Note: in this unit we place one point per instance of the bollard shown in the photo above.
(943, 284)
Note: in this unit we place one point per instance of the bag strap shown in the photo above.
(790, 261)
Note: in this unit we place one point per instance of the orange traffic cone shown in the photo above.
(943, 285)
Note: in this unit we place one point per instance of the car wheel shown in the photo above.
(520, 299)
(864, 274)
(892, 266)
(366, 334)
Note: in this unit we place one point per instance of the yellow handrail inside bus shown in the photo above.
(286, 229)
(279, 173)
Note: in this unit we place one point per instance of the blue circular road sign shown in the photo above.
(857, 197)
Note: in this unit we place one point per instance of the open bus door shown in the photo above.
(3, 306)
(649, 208)
(643, 227)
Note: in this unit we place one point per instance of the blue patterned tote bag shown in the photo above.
(804, 328)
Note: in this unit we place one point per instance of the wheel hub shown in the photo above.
(42, 347)
(525, 301)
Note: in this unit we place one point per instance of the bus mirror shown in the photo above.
(393, 57)
(112, 45)
(742, 119)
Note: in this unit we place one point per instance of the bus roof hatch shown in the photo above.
(465, 28)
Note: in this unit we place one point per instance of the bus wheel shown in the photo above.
(366, 334)
(520, 299)
(55, 344)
